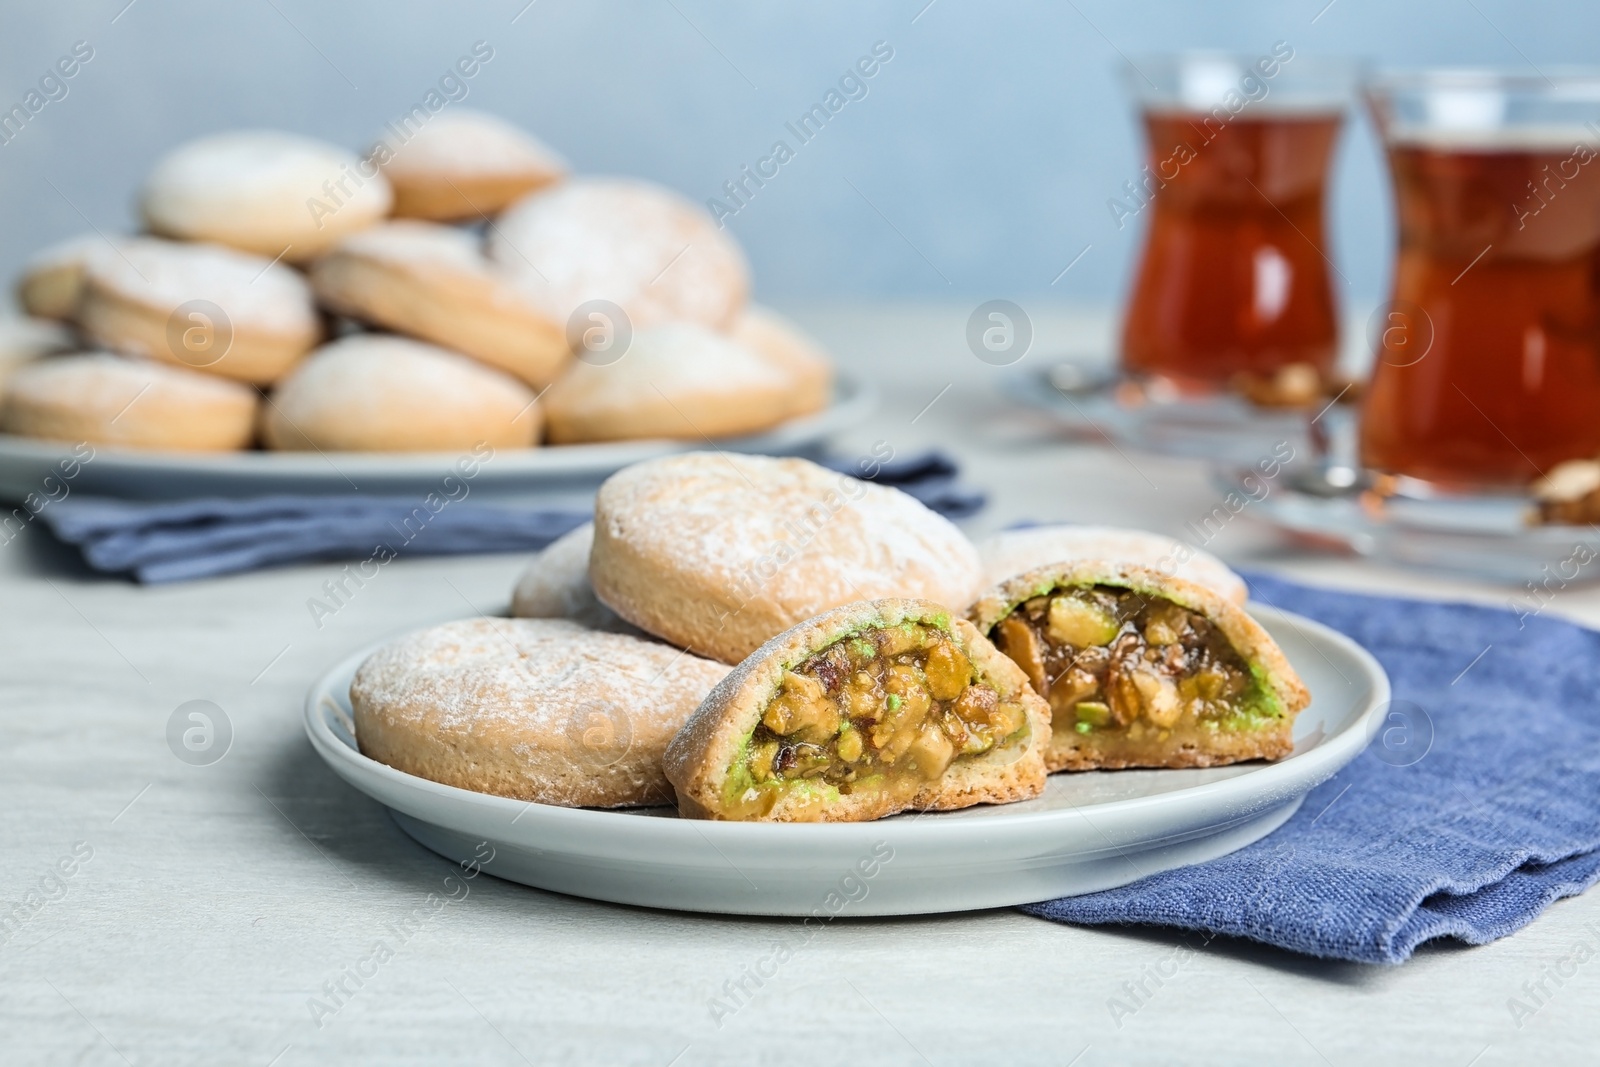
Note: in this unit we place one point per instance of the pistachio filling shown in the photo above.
(1132, 674)
(885, 708)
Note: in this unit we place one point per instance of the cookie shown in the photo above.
(108, 399)
(1011, 552)
(864, 711)
(24, 340)
(202, 306)
(466, 164)
(679, 381)
(717, 552)
(433, 282)
(52, 279)
(767, 333)
(380, 393)
(263, 191)
(555, 585)
(1143, 670)
(541, 710)
(638, 245)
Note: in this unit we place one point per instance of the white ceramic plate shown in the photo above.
(1089, 831)
(530, 473)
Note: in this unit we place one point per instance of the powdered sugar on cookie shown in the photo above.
(249, 289)
(539, 709)
(636, 244)
(720, 552)
(476, 143)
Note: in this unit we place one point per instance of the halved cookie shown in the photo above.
(1012, 552)
(1143, 670)
(536, 709)
(861, 712)
(718, 552)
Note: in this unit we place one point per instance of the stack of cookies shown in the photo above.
(454, 289)
(764, 639)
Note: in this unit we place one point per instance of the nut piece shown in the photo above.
(1074, 685)
(802, 709)
(931, 752)
(1571, 480)
(1297, 385)
(1166, 624)
(1569, 493)
(1018, 641)
(1159, 695)
(947, 671)
(1074, 621)
(849, 746)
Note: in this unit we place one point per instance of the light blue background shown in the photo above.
(978, 166)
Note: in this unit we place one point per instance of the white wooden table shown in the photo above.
(218, 902)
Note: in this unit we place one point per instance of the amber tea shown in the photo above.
(1234, 277)
(1488, 370)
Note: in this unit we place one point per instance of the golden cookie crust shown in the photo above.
(718, 552)
(381, 393)
(1013, 552)
(432, 282)
(534, 709)
(1247, 637)
(108, 399)
(466, 165)
(698, 759)
(137, 303)
(680, 381)
(771, 335)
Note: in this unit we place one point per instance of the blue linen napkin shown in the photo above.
(1478, 810)
(171, 542)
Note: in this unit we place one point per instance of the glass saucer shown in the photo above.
(1485, 535)
(1153, 416)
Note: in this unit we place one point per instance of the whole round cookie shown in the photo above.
(465, 164)
(542, 710)
(555, 585)
(434, 282)
(679, 380)
(380, 393)
(1013, 552)
(767, 333)
(263, 191)
(24, 340)
(203, 306)
(638, 245)
(52, 278)
(717, 552)
(103, 398)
